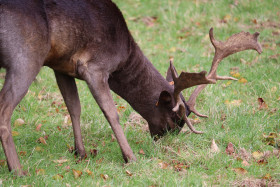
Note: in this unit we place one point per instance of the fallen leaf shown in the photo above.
(257, 155)
(163, 165)
(227, 18)
(235, 74)
(19, 122)
(58, 128)
(58, 177)
(255, 21)
(128, 173)
(89, 172)
(104, 176)
(99, 161)
(262, 162)
(223, 117)
(262, 104)
(40, 172)
(42, 140)
(141, 152)
(149, 20)
(3, 163)
(77, 173)
(93, 152)
(230, 149)
(39, 149)
(233, 102)
(181, 167)
(240, 171)
(172, 49)
(267, 176)
(61, 161)
(70, 148)
(275, 57)
(67, 168)
(244, 154)
(242, 80)
(22, 153)
(214, 147)
(39, 127)
(15, 133)
(245, 163)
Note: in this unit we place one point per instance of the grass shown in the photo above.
(162, 29)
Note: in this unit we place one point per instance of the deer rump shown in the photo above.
(89, 40)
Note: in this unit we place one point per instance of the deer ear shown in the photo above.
(169, 74)
(165, 98)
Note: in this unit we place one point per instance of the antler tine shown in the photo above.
(186, 80)
(236, 43)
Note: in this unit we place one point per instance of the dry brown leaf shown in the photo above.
(149, 20)
(245, 163)
(58, 128)
(235, 74)
(58, 177)
(244, 154)
(267, 176)
(230, 149)
(22, 153)
(242, 80)
(89, 172)
(141, 152)
(15, 133)
(39, 127)
(61, 161)
(40, 172)
(104, 176)
(163, 165)
(240, 171)
(19, 122)
(262, 162)
(93, 152)
(3, 163)
(42, 140)
(39, 149)
(77, 173)
(128, 173)
(262, 104)
(233, 102)
(257, 155)
(214, 147)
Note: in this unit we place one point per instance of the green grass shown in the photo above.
(180, 30)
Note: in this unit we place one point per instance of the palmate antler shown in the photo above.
(236, 43)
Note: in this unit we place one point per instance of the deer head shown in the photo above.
(173, 102)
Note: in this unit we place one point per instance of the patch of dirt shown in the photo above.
(136, 119)
(251, 182)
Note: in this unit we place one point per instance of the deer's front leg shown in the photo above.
(70, 95)
(97, 80)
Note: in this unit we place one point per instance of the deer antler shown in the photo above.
(186, 80)
(236, 43)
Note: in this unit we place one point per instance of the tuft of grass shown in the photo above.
(162, 29)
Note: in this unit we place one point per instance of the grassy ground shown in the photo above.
(163, 29)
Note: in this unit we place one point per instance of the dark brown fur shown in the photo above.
(84, 39)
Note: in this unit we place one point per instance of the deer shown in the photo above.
(90, 40)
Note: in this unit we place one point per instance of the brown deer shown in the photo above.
(89, 40)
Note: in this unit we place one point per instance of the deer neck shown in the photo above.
(139, 83)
